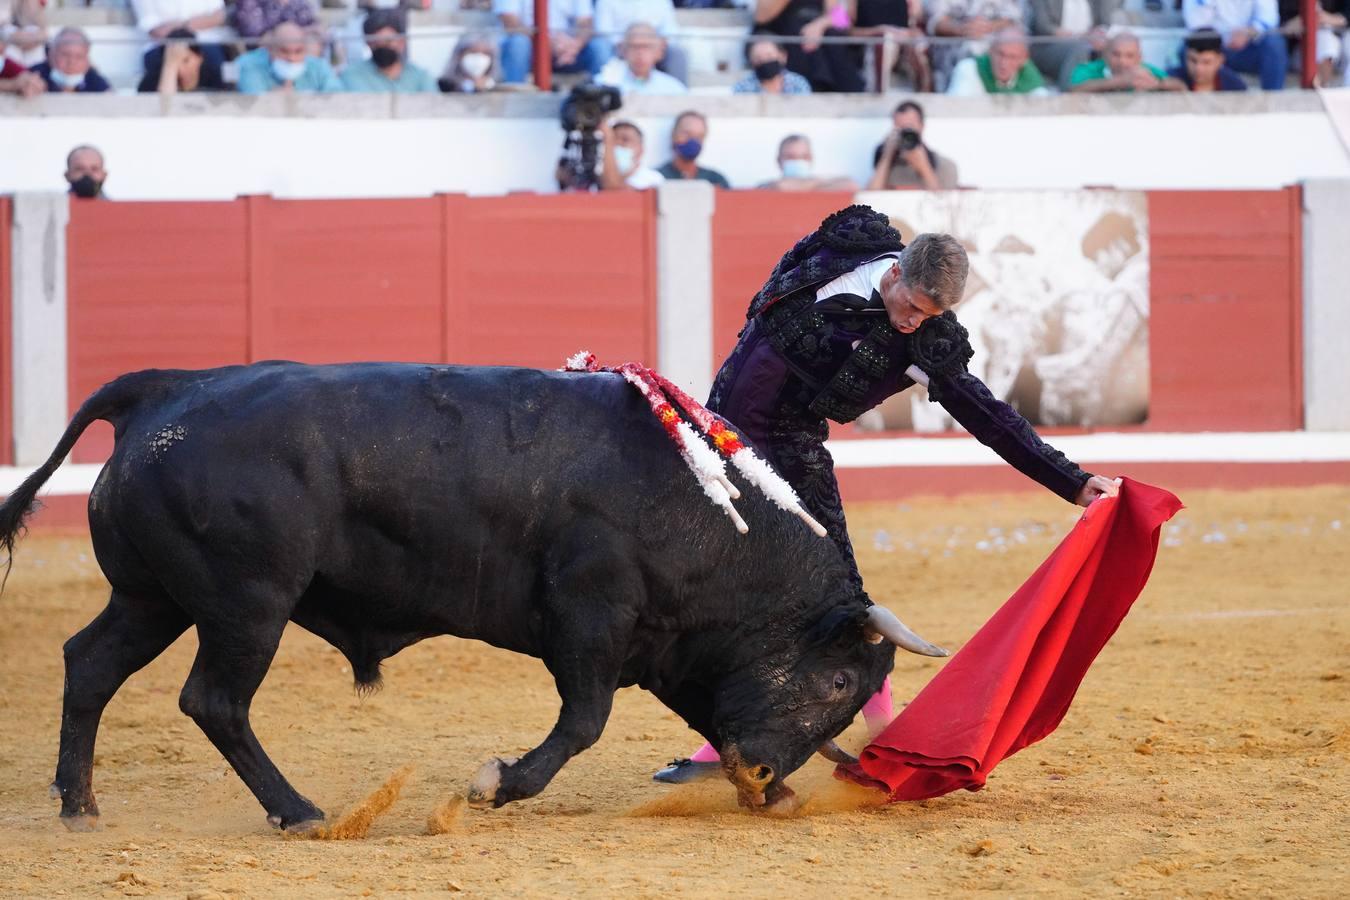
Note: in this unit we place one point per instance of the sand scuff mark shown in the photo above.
(448, 816)
(688, 801)
(355, 823)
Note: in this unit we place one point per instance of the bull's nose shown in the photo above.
(761, 775)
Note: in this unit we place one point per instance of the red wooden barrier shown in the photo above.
(6, 339)
(525, 280)
(1226, 310)
(151, 285)
(532, 279)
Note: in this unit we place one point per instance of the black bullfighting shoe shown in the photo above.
(683, 771)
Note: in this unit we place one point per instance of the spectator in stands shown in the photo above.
(181, 64)
(159, 17)
(621, 168)
(1122, 69)
(255, 18)
(1203, 69)
(388, 71)
(1079, 28)
(23, 30)
(472, 68)
(686, 143)
(15, 79)
(283, 63)
(1332, 50)
(1250, 30)
(975, 20)
(635, 71)
(67, 68)
(898, 19)
(903, 160)
(85, 173)
(797, 166)
(829, 66)
(1005, 69)
(613, 17)
(769, 73)
(571, 31)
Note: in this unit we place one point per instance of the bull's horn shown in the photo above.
(836, 754)
(882, 623)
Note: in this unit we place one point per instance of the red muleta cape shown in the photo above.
(1012, 683)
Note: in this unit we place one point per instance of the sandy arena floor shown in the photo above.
(1207, 753)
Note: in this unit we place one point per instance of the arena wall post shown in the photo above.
(684, 284)
(1326, 314)
(41, 400)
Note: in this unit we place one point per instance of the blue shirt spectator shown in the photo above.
(388, 69)
(1250, 32)
(281, 62)
(571, 32)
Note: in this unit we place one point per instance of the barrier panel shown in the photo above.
(1226, 331)
(6, 338)
(526, 280)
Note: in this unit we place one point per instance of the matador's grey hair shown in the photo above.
(936, 264)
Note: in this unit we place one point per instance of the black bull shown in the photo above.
(377, 505)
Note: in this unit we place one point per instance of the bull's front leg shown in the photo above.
(587, 675)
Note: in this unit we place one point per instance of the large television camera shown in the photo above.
(582, 113)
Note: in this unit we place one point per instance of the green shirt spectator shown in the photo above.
(1122, 68)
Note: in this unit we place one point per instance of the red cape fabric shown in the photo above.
(1012, 683)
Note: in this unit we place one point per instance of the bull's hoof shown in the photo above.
(54, 791)
(80, 824)
(780, 800)
(482, 793)
(304, 828)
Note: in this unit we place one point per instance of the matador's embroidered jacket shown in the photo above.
(799, 363)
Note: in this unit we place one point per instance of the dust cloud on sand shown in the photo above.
(1207, 751)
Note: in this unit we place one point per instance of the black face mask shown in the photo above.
(767, 71)
(85, 186)
(384, 57)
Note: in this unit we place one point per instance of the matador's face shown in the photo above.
(906, 307)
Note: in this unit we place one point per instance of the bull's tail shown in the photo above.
(109, 403)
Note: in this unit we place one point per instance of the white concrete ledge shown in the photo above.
(909, 452)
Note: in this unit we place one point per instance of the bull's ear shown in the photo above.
(844, 623)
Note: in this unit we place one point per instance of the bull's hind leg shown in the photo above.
(126, 636)
(231, 662)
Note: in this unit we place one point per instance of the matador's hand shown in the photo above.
(1097, 486)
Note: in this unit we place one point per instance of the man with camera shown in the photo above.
(582, 116)
(903, 160)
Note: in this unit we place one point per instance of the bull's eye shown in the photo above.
(840, 681)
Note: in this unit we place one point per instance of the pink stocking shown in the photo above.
(877, 711)
(706, 753)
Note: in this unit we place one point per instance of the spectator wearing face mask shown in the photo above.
(67, 69)
(635, 71)
(797, 164)
(686, 143)
(621, 167)
(388, 70)
(769, 73)
(282, 63)
(23, 27)
(472, 67)
(85, 173)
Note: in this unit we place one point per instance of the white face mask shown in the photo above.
(475, 65)
(796, 168)
(386, 4)
(625, 159)
(65, 79)
(285, 70)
